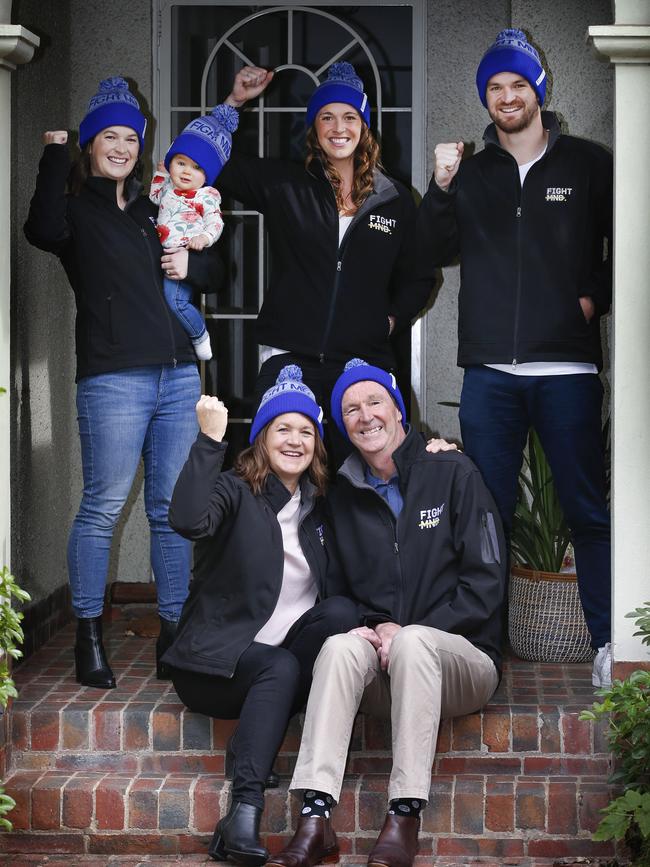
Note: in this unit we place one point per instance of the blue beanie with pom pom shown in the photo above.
(512, 52)
(341, 85)
(289, 394)
(112, 105)
(357, 370)
(207, 140)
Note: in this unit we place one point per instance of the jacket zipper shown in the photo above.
(515, 336)
(307, 549)
(339, 265)
(330, 313)
(393, 522)
(488, 536)
(399, 569)
(161, 297)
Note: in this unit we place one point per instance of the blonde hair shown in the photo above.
(367, 158)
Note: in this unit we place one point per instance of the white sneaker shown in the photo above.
(602, 673)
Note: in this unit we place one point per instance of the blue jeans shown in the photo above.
(148, 412)
(179, 298)
(496, 411)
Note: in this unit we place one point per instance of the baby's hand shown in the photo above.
(161, 166)
(198, 242)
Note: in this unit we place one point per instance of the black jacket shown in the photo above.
(441, 563)
(238, 558)
(112, 260)
(324, 300)
(526, 255)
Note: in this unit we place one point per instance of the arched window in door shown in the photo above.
(200, 46)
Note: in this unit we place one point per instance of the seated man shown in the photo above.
(422, 547)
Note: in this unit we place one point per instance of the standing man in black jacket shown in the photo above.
(530, 216)
(423, 553)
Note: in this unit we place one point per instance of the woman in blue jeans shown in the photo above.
(137, 383)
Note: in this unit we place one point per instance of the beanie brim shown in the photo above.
(283, 403)
(198, 149)
(334, 91)
(112, 114)
(363, 373)
(507, 59)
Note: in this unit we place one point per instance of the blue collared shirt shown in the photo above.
(388, 490)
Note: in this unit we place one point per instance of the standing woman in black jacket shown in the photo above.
(252, 627)
(137, 382)
(342, 237)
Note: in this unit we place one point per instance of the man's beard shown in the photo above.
(524, 121)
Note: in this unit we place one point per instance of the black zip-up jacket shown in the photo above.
(238, 558)
(323, 300)
(441, 563)
(112, 260)
(526, 254)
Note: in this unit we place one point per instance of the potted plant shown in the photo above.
(545, 618)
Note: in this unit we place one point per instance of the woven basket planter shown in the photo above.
(545, 619)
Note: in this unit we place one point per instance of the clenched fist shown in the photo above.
(212, 416)
(447, 157)
(249, 82)
(58, 136)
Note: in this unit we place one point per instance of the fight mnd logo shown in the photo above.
(558, 194)
(430, 518)
(382, 224)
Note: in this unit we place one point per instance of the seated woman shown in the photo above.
(262, 601)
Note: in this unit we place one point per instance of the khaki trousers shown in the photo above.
(431, 674)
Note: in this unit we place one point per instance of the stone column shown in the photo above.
(626, 43)
(17, 46)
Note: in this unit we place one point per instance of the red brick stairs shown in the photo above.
(130, 771)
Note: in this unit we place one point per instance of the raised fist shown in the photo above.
(447, 160)
(58, 136)
(249, 82)
(212, 416)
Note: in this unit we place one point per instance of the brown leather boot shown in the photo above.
(397, 844)
(313, 843)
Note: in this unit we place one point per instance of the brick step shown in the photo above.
(36, 860)
(531, 726)
(500, 817)
(141, 737)
(132, 771)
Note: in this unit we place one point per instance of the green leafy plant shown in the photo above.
(11, 635)
(626, 706)
(540, 534)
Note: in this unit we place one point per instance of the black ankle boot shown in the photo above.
(237, 836)
(271, 782)
(163, 643)
(91, 665)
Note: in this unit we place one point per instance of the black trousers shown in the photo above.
(269, 685)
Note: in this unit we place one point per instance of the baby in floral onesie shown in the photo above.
(189, 213)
